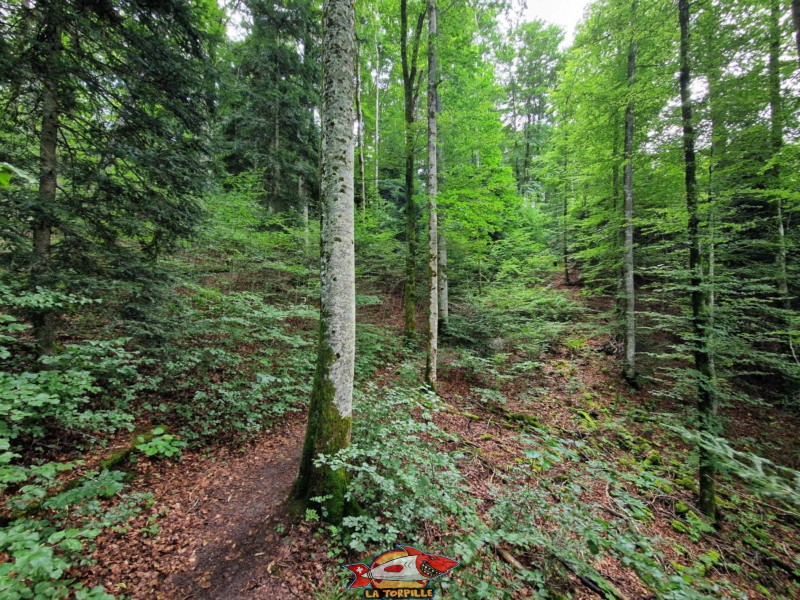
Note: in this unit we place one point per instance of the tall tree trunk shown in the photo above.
(526, 163)
(329, 418)
(618, 231)
(362, 186)
(44, 319)
(796, 23)
(564, 215)
(776, 141)
(433, 192)
(628, 259)
(275, 188)
(514, 117)
(377, 113)
(718, 143)
(410, 90)
(303, 196)
(706, 400)
(444, 291)
(441, 246)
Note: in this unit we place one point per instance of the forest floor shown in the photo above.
(221, 525)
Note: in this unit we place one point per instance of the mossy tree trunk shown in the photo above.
(330, 410)
(409, 53)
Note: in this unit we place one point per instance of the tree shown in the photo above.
(628, 260)
(706, 403)
(411, 87)
(111, 101)
(268, 103)
(796, 23)
(433, 191)
(330, 410)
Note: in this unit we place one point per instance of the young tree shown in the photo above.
(706, 401)
(329, 416)
(628, 259)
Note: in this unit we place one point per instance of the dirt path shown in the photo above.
(220, 522)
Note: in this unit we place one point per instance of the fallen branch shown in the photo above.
(610, 591)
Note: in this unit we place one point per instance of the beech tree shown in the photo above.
(433, 191)
(330, 410)
(409, 54)
(628, 259)
(705, 397)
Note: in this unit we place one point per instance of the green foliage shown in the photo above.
(43, 552)
(529, 319)
(161, 444)
(405, 483)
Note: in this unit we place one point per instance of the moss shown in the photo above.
(327, 433)
(529, 420)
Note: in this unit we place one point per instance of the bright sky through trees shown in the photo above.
(566, 13)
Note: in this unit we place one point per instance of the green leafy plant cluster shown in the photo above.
(396, 470)
(161, 444)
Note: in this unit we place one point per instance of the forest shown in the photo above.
(291, 290)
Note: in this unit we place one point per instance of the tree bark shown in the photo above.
(433, 192)
(706, 400)
(410, 90)
(628, 259)
(44, 319)
(330, 410)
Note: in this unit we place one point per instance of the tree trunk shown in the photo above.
(433, 192)
(628, 260)
(706, 401)
(526, 163)
(564, 215)
(377, 114)
(718, 143)
(444, 292)
(44, 319)
(441, 245)
(776, 141)
(362, 187)
(329, 418)
(410, 89)
(303, 196)
(796, 23)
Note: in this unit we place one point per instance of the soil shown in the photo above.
(223, 536)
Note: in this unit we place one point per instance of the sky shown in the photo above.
(566, 13)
